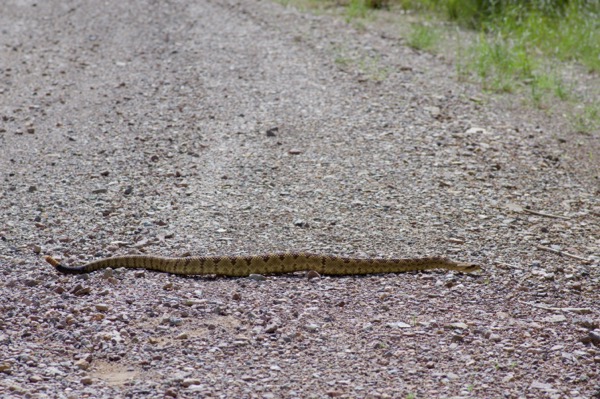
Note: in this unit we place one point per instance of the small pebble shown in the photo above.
(495, 338)
(271, 328)
(460, 326)
(82, 364)
(30, 282)
(457, 338)
(558, 318)
(257, 277)
(272, 132)
(190, 381)
(87, 380)
(398, 324)
(312, 274)
(541, 385)
(83, 291)
(5, 367)
(300, 223)
(101, 307)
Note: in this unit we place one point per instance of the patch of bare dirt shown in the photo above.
(242, 127)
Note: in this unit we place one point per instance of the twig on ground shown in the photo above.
(552, 308)
(563, 253)
(549, 215)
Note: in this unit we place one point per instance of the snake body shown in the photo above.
(274, 263)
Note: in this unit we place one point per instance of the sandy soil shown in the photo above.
(243, 127)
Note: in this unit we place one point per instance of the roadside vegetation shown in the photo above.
(506, 45)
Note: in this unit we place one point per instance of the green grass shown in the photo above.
(368, 66)
(357, 9)
(423, 37)
(561, 29)
(518, 46)
(587, 120)
(498, 64)
(569, 35)
(509, 67)
(567, 30)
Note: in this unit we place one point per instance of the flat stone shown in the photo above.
(557, 318)
(190, 381)
(101, 307)
(257, 277)
(398, 324)
(82, 364)
(87, 380)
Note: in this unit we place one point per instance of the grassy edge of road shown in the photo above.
(505, 46)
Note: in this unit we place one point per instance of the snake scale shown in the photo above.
(274, 263)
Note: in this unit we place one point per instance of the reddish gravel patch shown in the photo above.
(242, 127)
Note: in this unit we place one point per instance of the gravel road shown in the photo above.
(244, 127)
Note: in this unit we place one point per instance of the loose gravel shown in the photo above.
(244, 127)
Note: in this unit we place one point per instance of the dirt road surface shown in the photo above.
(245, 127)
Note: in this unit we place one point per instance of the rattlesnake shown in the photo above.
(274, 263)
